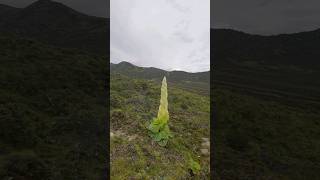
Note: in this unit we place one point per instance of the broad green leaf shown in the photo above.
(193, 165)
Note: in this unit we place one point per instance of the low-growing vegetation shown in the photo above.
(134, 102)
(264, 139)
(52, 112)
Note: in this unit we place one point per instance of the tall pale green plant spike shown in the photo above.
(163, 112)
(159, 129)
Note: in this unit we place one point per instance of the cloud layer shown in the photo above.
(266, 16)
(167, 34)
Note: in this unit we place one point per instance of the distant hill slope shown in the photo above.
(155, 73)
(282, 67)
(6, 11)
(191, 81)
(266, 91)
(299, 49)
(57, 24)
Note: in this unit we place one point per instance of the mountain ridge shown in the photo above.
(126, 63)
(57, 24)
(195, 82)
(298, 49)
(156, 73)
(264, 35)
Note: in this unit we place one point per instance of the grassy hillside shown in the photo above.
(288, 85)
(267, 106)
(52, 112)
(298, 49)
(264, 139)
(196, 82)
(134, 155)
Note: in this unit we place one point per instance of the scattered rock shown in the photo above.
(133, 137)
(205, 147)
(206, 144)
(120, 134)
(204, 152)
(205, 139)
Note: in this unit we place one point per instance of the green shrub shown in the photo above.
(115, 100)
(25, 165)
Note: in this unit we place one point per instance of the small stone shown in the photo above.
(205, 152)
(206, 144)
(111, 134)
(132, 137)
(205, 139)
(119, 133)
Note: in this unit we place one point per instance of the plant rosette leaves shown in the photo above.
(194, 166)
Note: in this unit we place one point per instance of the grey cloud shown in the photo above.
(178, 5)
(267, 16)
(265, 2)
(158, 34)
(302, 13)
(183, 37)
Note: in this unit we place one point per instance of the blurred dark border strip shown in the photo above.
(107, 86)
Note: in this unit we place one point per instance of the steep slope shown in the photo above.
(57, 24)
(263, 139)
(52, 112)
(266, 93)
(285, 67)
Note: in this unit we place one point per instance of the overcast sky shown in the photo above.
(167, 34)
(253, 16)
(151, 32)
(266, 16)
(98, 8)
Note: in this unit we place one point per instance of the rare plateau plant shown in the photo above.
(159, 129)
